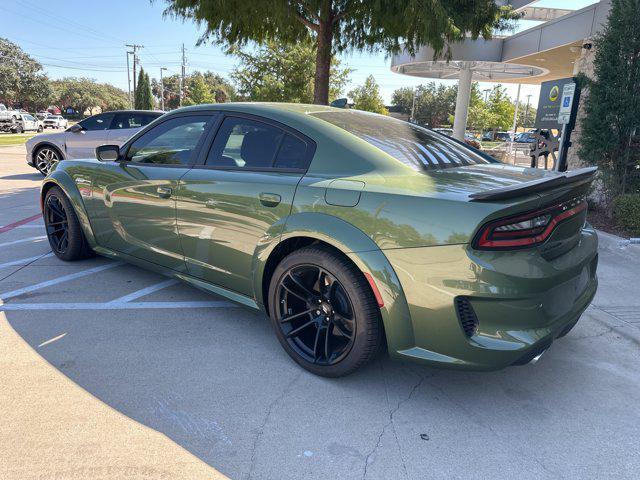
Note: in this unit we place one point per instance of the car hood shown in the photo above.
(54, 138)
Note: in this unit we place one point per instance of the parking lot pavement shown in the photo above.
(110, 371)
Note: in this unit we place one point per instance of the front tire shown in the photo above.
(324, 312)
(64, 232)
(45, 158)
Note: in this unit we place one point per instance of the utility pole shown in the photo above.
(135, 62)
(162, 89)
(129, 80)
(184, 61)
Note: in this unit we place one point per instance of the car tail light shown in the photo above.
(526, 230)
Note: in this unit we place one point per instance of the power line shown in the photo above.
(49, 13)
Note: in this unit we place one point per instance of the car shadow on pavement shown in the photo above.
(23, 176)
(217, 382)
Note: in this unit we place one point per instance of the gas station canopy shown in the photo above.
(545, 52)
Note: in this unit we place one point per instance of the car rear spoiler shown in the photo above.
(575, 177)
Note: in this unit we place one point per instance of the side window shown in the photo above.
(131, 120)
(170, 143)
(245, 143)
(292, 153)
(145, 119)
(97, 122)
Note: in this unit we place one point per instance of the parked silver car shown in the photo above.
(55, 121)
(80, 140)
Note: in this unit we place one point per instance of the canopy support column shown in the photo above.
(462, 102)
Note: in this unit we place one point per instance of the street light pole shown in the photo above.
(162, 89)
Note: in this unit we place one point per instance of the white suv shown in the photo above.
(55, 121)
(80, 140)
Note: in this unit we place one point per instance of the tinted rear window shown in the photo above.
(417, 147)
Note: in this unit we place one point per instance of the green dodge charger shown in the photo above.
(349, 230)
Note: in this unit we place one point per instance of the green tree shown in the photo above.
(143, 99)
(221, 88)
(81, 94)
(434, 104)
(340, 25)
(501, 108)
(199, 92)
(283, 73)
(112, 98)
(612, 105)
(85, 94)
(22, 82)
(367, 97)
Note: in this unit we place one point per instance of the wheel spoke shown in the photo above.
(64, 239)
(295, 331)
(315, 344)
(326, 342)
(341, 330)
(299, 284)
(296, 315)
(294, 293)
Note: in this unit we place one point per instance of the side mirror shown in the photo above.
(76, 128)
(340, 103)
(108, 153)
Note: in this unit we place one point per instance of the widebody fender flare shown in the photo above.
(62, 179)
(362, 251)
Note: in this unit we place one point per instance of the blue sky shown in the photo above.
(87, 38)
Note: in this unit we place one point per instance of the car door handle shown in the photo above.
(164, 192)
(270, 199)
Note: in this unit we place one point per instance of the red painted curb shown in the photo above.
(13, 225)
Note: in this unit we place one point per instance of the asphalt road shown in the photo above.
(109, 371)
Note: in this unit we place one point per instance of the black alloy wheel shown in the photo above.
(324, 312)
(65, 235)
(315, 314)
(56, 224)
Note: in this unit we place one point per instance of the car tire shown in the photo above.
(40, 129)
(324, 312)
(65, 235)
(19, 129)
(45, 157)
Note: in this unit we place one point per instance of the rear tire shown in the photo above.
(324, 312)
(65, 235)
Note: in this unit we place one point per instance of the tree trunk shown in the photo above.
(324, 45)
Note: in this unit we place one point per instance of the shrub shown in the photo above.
(626, 210)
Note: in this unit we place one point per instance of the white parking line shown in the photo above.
(145, 291)
(116, 306)
(14, 293)
(24, 261)
(24, 240)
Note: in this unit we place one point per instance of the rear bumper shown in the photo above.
(522, 302)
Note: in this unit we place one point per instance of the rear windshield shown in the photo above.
(416, 147)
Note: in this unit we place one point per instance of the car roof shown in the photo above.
(153, 112)
(251, 107)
